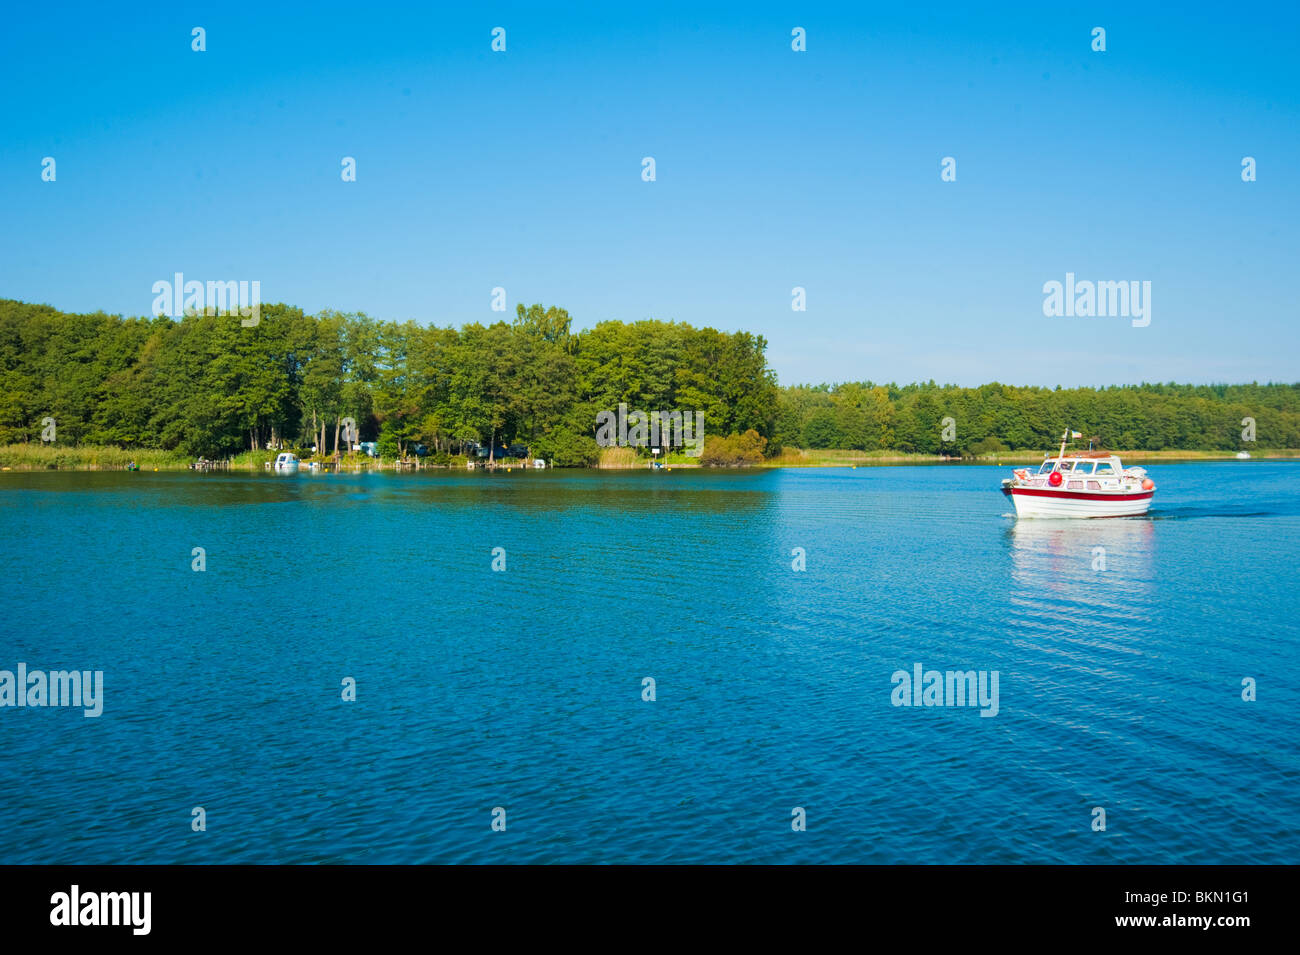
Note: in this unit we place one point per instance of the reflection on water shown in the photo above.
(1068, 559)
(1082, 583)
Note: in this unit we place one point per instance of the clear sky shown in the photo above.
(775, 169)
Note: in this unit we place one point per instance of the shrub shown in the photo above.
(989, 445)
(567, 450)
(736, 450)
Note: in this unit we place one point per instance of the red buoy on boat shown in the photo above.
(1148, 484)
(1055, 479)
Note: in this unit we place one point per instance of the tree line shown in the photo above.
(933, 419)
(207, 385)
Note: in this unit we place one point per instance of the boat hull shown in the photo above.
(1044, 502)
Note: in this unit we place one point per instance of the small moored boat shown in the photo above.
(1088, 483)
(286, 463)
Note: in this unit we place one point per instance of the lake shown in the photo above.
(1120, 649)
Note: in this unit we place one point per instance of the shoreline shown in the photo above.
(829, 458)
(28, 458)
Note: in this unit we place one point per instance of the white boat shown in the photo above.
(1243, 455)
(286, 463)
(1080, 484)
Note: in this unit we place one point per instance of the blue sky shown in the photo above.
(775, 169)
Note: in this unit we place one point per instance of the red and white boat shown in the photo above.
(1080, 484)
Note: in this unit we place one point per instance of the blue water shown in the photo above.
(1118, 688)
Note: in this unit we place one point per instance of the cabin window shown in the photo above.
(1105, 468)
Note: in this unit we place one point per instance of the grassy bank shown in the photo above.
(622, 459)
(808, 458)
(43, 457)
(619, 459)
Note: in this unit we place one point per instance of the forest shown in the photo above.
(206, 385)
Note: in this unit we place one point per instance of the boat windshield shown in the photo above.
(1047, 467)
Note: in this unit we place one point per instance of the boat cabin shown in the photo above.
(1084, 471)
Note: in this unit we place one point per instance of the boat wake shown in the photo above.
(1191, 512)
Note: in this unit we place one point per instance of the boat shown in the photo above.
(286, 463)
(1243, 455)
(1090, 483)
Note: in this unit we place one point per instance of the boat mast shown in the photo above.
(1064, 438)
